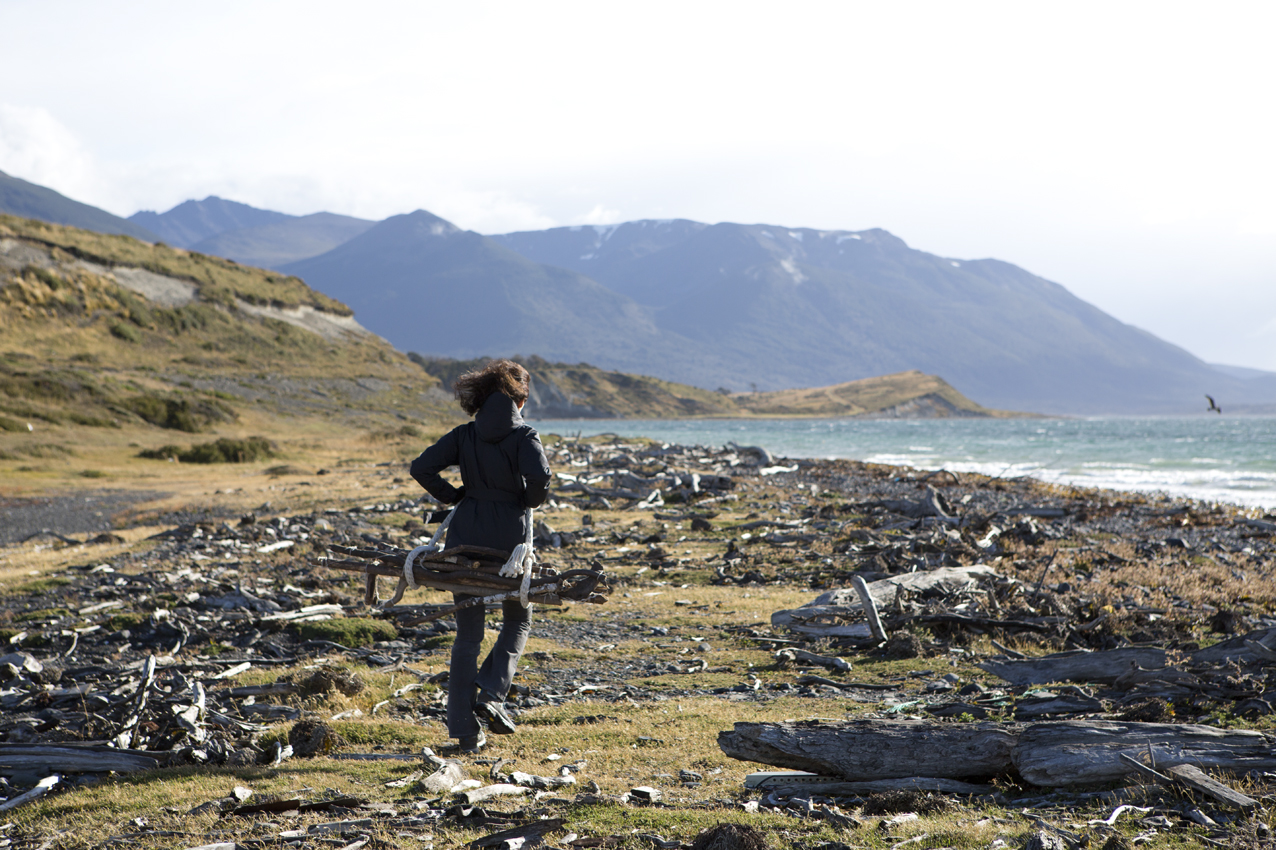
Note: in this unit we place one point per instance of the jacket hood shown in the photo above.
(497, 418)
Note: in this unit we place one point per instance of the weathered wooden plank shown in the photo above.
(1196, 779)
(1090, 752)
(870, 608)
(861, 750)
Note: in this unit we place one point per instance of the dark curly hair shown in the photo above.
(498, 376)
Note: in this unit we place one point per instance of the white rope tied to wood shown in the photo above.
(409, 577)
(520, 562)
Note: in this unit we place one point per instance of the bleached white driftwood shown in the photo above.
(475, 796)
(34, 794)
(839, 613)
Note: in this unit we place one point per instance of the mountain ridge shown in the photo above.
(24, 199)
(193, 221)
(729, 304)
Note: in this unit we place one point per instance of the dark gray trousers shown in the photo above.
(493, 679)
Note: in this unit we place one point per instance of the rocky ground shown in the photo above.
(226, 644)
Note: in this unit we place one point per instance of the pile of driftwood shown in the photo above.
(74, 725)
(469, 570)
(646, 476)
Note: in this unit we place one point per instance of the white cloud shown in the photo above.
(38, 148)
(599, 215)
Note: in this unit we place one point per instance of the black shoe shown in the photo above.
(471, 744)
(498, 722)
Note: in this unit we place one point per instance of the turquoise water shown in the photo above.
(1217, 458)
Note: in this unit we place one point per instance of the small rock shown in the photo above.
(645, 794)
(903, 645)
(312, 737)
(730, 836)
(1042, 840)
(23, 662)
(328, 679)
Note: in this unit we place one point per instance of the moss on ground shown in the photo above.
(347, 631)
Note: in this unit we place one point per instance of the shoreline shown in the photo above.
(1231, 461)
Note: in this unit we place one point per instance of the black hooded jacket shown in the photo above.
(503, 471)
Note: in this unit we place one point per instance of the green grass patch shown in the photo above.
(224, 450)
(129, 620)
(385, 735)
(91, 473)
(179, 414)
(683, 681)
(42, 615)
(41, 585)
(126, 332)
(347, 631)
(46, 450)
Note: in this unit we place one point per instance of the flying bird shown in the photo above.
(1214, 407)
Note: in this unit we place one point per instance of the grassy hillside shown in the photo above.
(93, 374)
(561, 390)
(566, 391)
(219, 281)
(903, 395)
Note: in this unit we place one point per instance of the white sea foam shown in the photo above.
(1152, 454)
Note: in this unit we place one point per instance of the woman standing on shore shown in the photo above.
(503, 473)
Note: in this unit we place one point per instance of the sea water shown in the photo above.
(1215, 458)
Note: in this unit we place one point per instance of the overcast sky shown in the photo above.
(1125, 150)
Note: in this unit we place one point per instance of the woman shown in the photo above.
(503, 472)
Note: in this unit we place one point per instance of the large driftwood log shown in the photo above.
(68, 758)
(876, 749)
(839, 613)
(1050, 754)
(1089, 752)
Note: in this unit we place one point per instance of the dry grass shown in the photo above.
(219, 280)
